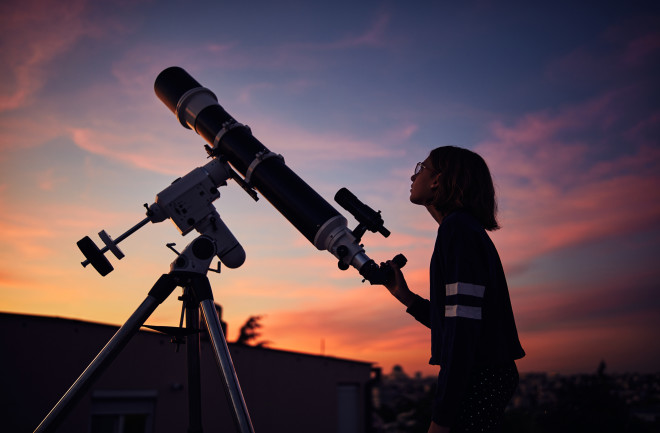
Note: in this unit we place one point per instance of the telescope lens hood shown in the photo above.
(171, 84)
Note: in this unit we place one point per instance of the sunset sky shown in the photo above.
(562, 100)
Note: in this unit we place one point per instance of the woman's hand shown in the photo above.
(398, 286)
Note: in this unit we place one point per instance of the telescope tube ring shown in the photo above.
(226, 127)
(259, 158)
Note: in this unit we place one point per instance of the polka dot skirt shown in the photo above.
(489, 392)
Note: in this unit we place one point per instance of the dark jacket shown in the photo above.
(469, 313)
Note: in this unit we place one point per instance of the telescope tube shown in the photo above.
(197, 108)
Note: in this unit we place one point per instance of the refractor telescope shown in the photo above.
(188, 203)
(197, 108)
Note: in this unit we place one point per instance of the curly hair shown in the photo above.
(465, 183)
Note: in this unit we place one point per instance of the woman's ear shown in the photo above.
(435, 180)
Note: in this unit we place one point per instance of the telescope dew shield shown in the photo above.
(197, 108)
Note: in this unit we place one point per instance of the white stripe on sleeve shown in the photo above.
(465, 289)
(463, 311)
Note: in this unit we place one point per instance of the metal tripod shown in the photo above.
(187, 271)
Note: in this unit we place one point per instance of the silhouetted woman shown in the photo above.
(473, 333)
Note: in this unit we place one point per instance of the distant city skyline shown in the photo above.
(560, 99)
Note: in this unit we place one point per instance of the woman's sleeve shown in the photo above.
(420, 309)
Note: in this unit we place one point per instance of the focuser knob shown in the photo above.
(342, 251)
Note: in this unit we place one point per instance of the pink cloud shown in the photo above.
(365, 322)
(131, 103)
(139, 65)
(35, 33)
(575, 304)
(641, 50)
(302, 147)
(47, 180)
(375, 35)
(305, 55)
(560, 333)
(24, 235)
(29, 236)
(143, 149)
(11, 278)
(580, 350)
(558, 184)
(631, 46)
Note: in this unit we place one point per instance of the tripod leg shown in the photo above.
(161, 290)
(226, 365)
(194, 371)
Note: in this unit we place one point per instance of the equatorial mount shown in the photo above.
(188, 202)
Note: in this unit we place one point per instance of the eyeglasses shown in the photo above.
(418, 168)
